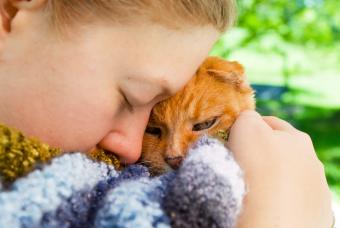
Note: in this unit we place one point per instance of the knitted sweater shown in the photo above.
(73, 190)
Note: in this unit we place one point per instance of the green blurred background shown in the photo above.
(291, 53)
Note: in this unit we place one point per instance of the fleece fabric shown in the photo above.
(73, 190)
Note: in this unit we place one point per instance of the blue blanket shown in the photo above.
(74, 191)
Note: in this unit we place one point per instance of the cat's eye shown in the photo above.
(156, 131)
(204, 125)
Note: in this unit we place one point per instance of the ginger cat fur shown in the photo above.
(208, 104)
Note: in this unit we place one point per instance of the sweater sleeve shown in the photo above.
(20, 155)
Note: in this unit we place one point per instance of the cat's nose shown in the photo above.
(174, 162)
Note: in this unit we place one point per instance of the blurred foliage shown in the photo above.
(297, 43)
(270, 25)
(299, 21)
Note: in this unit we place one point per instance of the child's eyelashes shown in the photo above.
(141, 97)
(126, 102)
(139, 92)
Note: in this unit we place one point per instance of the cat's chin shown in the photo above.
(157, 171)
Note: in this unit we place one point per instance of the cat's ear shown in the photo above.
(227, 72)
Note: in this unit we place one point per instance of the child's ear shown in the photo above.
(8, 11)
(227, 71)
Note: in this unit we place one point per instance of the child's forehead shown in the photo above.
(169, 57)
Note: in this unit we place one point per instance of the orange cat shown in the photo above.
(208, 104)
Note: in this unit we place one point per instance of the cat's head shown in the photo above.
(208, 104)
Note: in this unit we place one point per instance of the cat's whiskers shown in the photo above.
(145, 162)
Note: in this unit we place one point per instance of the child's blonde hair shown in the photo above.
(171, 13)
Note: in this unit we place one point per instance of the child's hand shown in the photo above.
(286, 181)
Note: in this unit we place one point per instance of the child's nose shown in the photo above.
(126, 139)
(126, 147)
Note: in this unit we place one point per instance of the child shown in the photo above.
(82, 74)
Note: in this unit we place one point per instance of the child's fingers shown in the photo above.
(251, 120)
(246, 126)
(279, 124)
